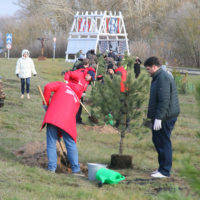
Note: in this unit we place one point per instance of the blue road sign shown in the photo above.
(9, 38)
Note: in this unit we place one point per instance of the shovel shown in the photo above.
(41, 94)
(91, 117)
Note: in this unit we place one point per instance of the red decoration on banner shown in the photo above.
(107, 25)
(118, 20)
(79, 24)
(89, 24)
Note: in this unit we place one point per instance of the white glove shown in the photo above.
(157, 125)
(83, 94)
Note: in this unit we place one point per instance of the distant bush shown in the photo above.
(182, 83)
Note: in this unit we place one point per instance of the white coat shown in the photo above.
(25, 66)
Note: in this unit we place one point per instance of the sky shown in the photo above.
(8, 8)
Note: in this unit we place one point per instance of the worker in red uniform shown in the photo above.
(123, 73)
(60, 116)
(76, 77)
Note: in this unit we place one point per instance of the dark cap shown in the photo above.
(110, 66)
(92, 74)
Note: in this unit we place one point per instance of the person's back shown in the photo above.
(164, 79)
(164, 67)
(92, 57)
(77, 65)
(123, 73)
(111, 54)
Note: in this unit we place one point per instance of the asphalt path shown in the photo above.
(185, 70)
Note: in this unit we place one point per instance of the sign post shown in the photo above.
(9, 43)
(54, 47)
(8, 46)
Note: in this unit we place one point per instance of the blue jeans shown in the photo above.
(72, 152)
(23, 81)
(162, 143)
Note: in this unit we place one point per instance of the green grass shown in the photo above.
(20, 122)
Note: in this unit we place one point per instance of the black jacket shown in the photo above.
(137, 68)
(163, 102)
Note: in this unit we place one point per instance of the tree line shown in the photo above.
(169, 29)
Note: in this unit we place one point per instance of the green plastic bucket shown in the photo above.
(109, 176)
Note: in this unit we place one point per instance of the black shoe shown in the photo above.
(81, 174)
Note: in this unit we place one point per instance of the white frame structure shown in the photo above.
(99, 31)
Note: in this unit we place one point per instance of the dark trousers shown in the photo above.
(137, 74)
(78, 114)
(23, 82)
(162, 143)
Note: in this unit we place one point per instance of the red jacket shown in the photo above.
(123, 77)
(63, 107)
(78, 76)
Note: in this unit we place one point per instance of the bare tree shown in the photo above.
(183, 30)
(155, 27)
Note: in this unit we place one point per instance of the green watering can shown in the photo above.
(108, 176)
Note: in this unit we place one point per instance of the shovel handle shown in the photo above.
(41, 93)
(85, 108)
(62, 148)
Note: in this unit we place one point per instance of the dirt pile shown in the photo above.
(34, 154)
(105, 129)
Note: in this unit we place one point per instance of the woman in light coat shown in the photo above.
(24, 68)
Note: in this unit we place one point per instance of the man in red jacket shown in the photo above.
(119, 71)
(60, 117)
(77, 76)
(123, 73)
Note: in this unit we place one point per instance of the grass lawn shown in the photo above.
(20, 122)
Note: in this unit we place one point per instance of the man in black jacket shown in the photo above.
(163, 111)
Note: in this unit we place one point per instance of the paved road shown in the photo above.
(185, 70)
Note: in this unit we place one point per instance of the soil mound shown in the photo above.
(105, 129)
(34, 154)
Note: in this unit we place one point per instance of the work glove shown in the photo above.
(17, 75)
(45, 107)
(157, 125)
(83, 95)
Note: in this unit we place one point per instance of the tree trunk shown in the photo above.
(121, 143)
(122, 135)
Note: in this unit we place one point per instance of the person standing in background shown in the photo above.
(137, 64)
(163, 110)
(24, 68)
